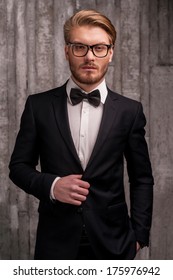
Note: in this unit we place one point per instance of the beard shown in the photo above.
(88, 78)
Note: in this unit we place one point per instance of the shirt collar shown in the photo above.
(101, 87)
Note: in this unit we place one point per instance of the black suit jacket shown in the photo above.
(45, 134)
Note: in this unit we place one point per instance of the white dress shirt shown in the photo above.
(84, 121)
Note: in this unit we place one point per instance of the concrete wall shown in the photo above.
(32, 60)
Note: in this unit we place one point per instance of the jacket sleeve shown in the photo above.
(140, 178)
(25, 158)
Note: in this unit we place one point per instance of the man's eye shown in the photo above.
(99, 48)
(79, 47)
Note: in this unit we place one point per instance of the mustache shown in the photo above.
(89, 64)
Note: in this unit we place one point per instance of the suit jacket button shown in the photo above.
(79, 210)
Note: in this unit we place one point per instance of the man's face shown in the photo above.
(88, 71)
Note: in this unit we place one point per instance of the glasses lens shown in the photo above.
(79, 49)
(100, 50)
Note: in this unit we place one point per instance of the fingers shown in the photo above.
(79, 189)
(78, 197)
(79, 182)
(71, 189)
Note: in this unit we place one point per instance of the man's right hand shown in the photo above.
(71, 189)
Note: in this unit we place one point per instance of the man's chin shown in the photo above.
(88, 80)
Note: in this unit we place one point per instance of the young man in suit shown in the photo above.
(81, 132)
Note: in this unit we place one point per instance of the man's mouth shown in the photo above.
(89, 67)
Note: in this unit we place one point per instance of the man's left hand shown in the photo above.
(138, 247)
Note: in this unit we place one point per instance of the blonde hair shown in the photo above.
(92, 18)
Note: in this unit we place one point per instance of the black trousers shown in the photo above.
(85, 251)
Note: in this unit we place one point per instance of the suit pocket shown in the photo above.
(117, 211)
(117, 217)
(120, 229)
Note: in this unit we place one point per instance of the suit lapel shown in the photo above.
(59, 102)
(109, 113)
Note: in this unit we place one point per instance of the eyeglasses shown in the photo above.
(80, 50)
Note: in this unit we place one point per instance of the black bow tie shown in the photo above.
(76, 96)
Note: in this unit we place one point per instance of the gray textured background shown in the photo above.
(32, 60)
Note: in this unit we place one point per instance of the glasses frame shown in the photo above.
(90, 48)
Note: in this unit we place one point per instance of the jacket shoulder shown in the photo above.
(58, 91)
(123, 98)
(126, 103)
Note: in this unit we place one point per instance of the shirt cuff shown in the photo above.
(52, 197)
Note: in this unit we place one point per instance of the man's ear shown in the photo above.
(66, 49)
(111, 54)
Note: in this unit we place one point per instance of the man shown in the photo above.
(81, 133)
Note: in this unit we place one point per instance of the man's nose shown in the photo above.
(89, 55)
